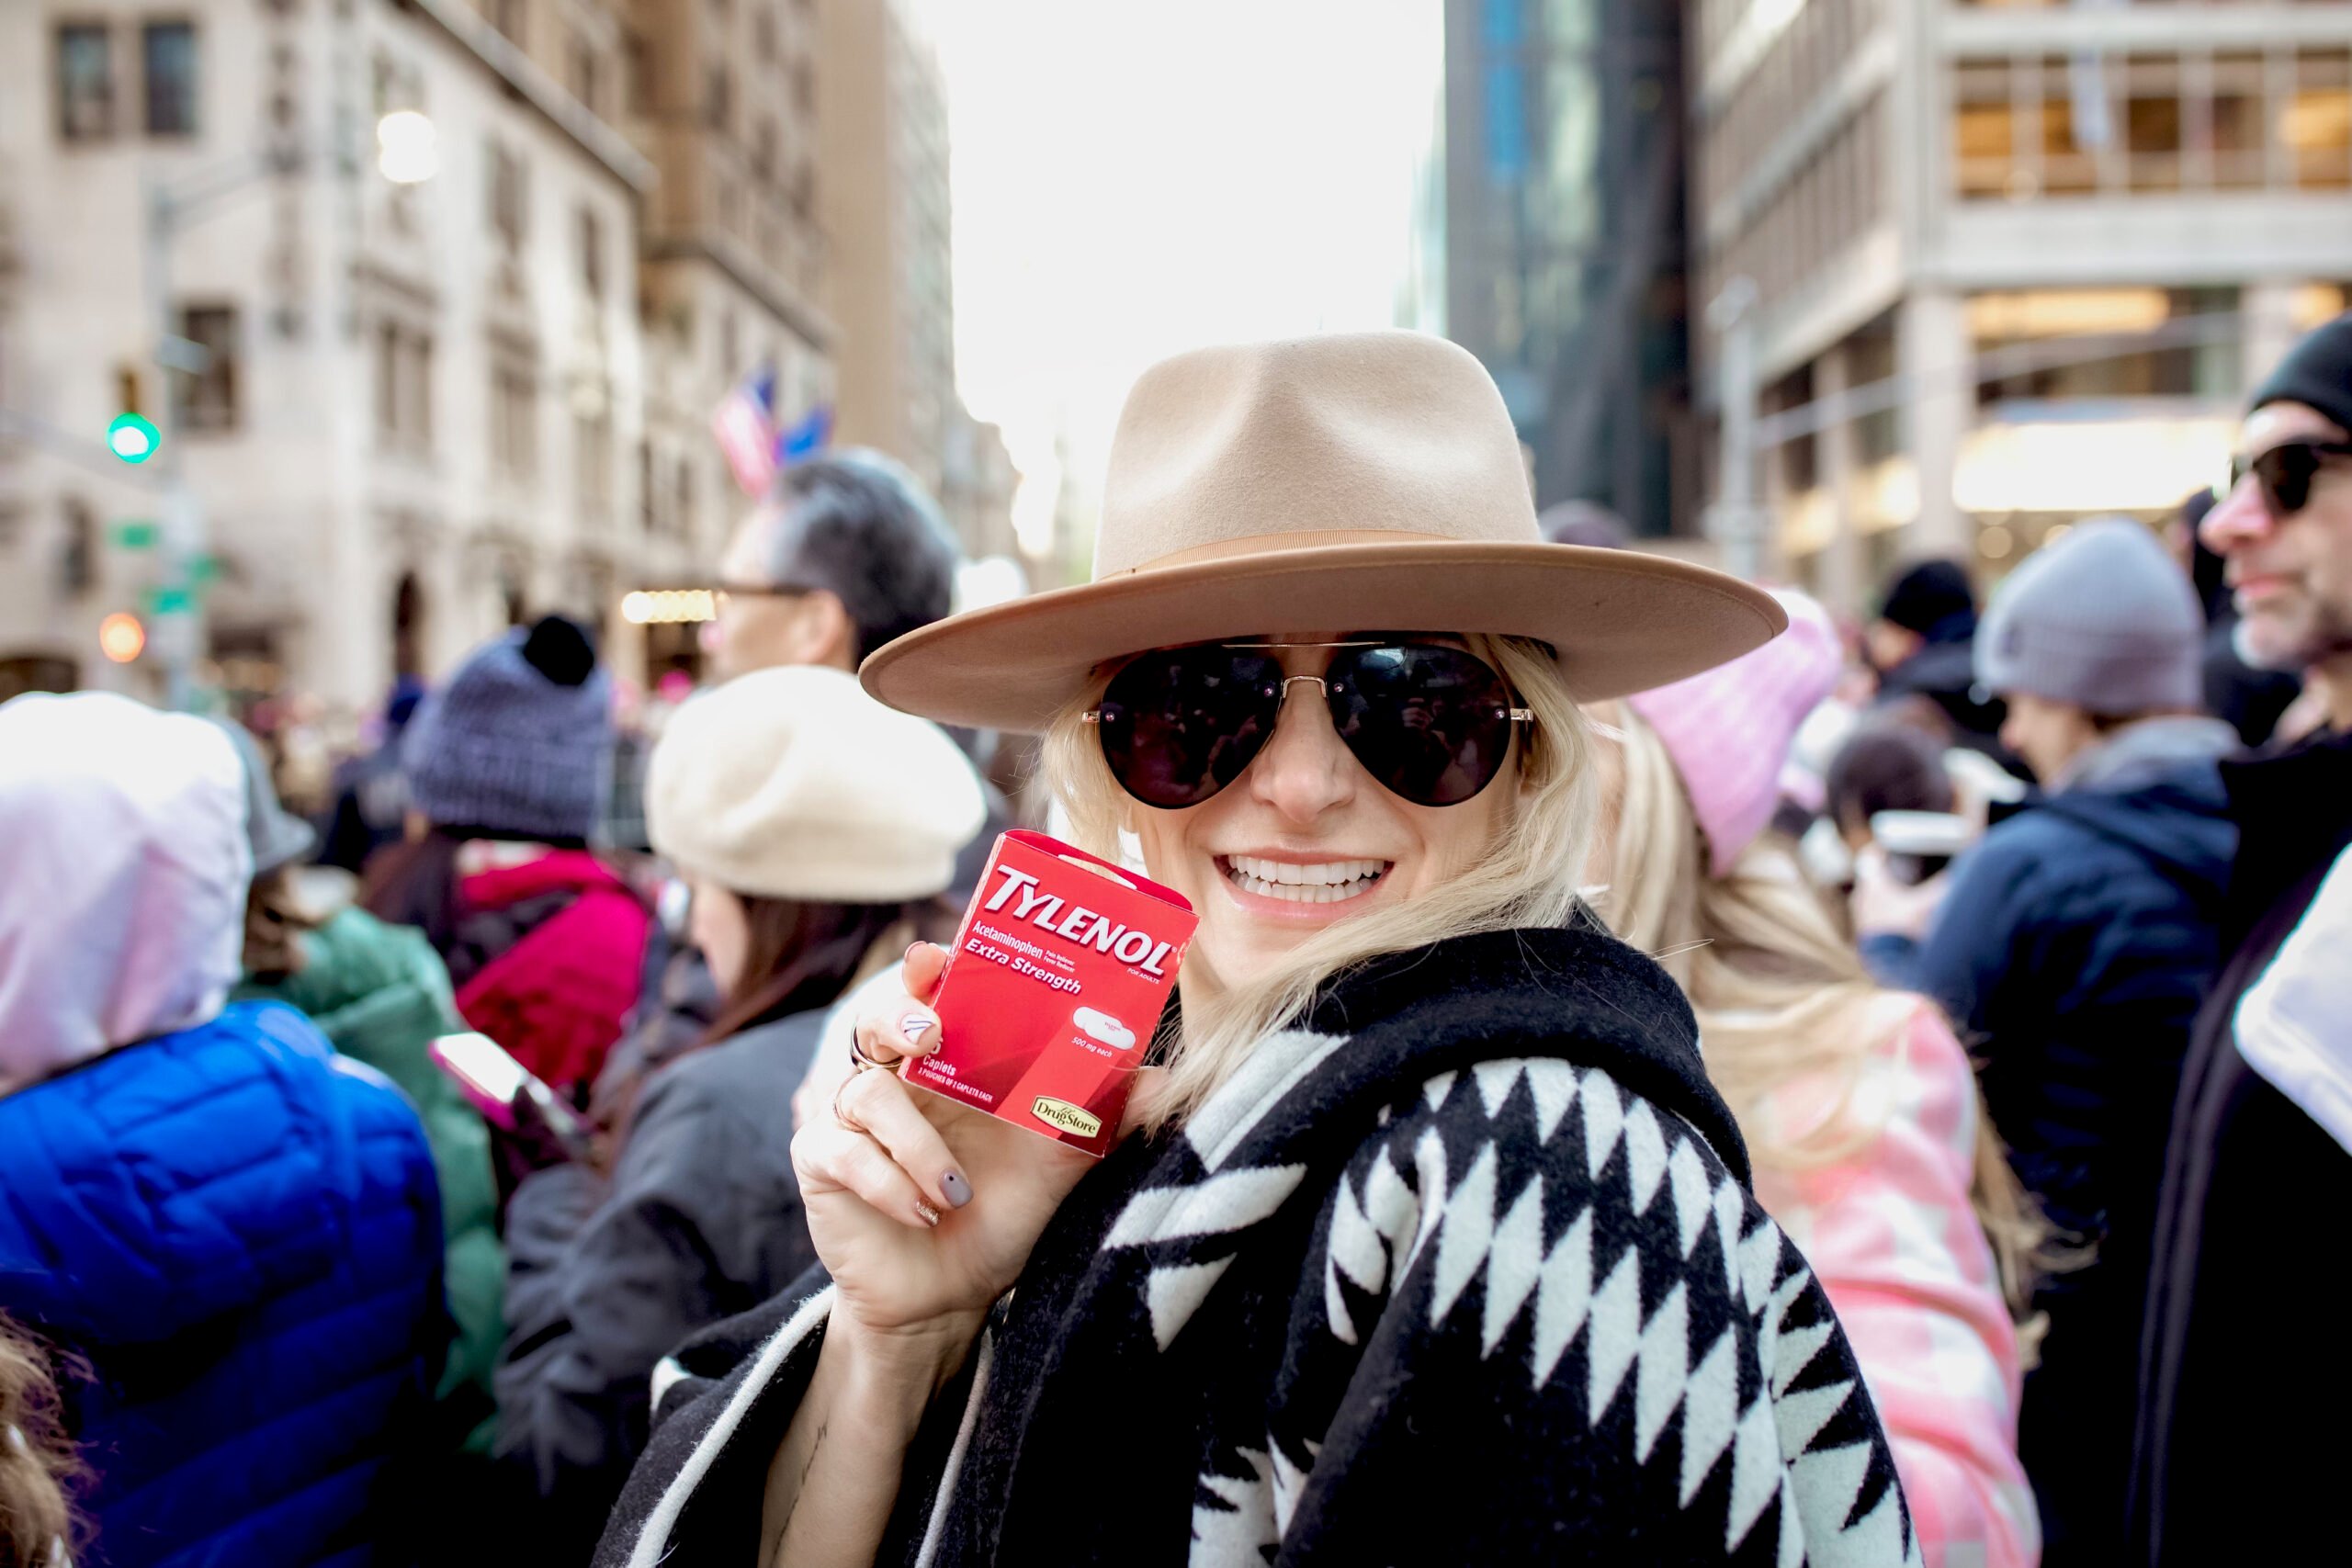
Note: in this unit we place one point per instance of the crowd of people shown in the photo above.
(1660, 1074)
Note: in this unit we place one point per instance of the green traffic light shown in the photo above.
(131, 438)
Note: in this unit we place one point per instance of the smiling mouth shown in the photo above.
(1330, 882)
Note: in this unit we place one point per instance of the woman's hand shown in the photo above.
(924, 1210)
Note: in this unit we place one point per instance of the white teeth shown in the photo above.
(1330, 882)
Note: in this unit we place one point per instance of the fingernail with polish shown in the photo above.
(913, 1027)
(930, 1215)
(958, 1190)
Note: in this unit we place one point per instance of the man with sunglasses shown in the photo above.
(846, 553)
(2244, 1371)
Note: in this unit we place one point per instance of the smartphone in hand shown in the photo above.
(506, 1093)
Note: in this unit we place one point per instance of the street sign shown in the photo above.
(169, 600)
(136, 534)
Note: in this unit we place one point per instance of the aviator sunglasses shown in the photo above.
(1430, 724)
(2284, 473)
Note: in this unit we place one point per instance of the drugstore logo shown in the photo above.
(1069, 1118)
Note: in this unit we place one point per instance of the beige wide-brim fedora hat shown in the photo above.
(1356, 482)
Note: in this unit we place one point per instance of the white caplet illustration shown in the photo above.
(1101, 1026)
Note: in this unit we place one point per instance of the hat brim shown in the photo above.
(1621, 622)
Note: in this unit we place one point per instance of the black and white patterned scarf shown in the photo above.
(1464, 1268)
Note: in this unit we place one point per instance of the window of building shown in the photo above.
(592, 446)
(2239, 118)
(683, 518)
(718, 98)
(804, 87)
(84, 82)
(509, 195)
(2315, 123)
(208, 402)
(764, 35)
(2189, 120)
(648, 494)
(2015, 335)
(585, 84)
(403, 377)
(418, 393)
(2152, 138)
(389, 354)
(514, 417)
(507, 16)
(763, 150)
(167, 65)
(592, 253)
(637, 71)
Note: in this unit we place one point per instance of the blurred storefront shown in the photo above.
(2015, 264)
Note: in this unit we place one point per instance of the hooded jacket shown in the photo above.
(1463, 1269)
(2071, 952)
(236, 1229)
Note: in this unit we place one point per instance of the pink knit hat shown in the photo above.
(1729, 729)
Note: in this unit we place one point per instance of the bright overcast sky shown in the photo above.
(1132, 178)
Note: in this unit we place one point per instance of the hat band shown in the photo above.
(1270, 543)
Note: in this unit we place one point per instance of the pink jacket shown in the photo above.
(561, 993)
(1896, 1244)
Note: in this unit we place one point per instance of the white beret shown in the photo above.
(794, 784)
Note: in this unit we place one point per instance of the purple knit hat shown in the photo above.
(1729, 730)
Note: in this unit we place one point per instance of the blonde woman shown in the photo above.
(1432, 1242)
(1860, 1108)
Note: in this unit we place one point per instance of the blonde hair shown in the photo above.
(1780, 994)
(38, 1466)
(1526, 877)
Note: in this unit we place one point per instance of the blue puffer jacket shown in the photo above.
(239, 1231)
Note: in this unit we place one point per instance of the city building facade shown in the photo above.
(882, 117)
(417, 403)
(429, 409)
(2001, 266)
(723, 98)
(1564, 268)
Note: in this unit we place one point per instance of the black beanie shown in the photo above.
(2317, 371)
(1933, 599)
(560, 649)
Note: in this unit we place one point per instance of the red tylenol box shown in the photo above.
(1053, 990)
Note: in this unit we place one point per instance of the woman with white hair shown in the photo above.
(1431, 1241)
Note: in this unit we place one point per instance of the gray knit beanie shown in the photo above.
(2103, 619)
(520, 742)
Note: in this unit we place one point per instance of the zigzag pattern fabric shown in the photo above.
(1465, 1269)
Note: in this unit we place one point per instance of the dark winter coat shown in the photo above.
(701, 1221)
(238, 1230)
(1465, 1269)
(2247, 1370)
(2071, 952)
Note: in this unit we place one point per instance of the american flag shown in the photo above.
(745, 426)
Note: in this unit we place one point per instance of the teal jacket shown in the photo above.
(380, 992)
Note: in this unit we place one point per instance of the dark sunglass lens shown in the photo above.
(1430, 724)
(2286, 473)
(1180, 725)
